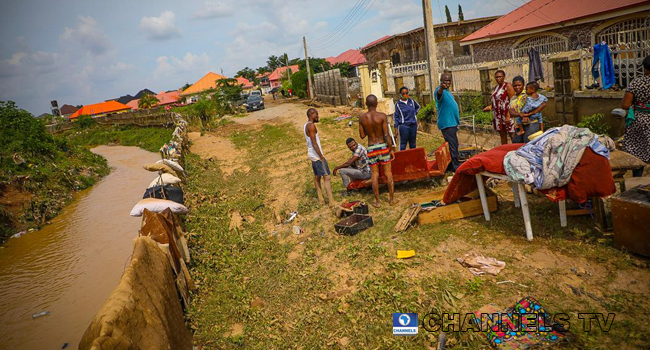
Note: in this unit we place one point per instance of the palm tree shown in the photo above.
(147, 101)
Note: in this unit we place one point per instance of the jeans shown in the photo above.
(407, 133)
(451, 136)
(349, 174)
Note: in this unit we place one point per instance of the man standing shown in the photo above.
(314, 152)
(448, 118)
(406, 123)
(380, 148)
(356, 168)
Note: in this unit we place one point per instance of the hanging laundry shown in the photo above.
(604, 56)
(535, 70)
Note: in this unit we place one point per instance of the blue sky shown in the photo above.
(84, 52)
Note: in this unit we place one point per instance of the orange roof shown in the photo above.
(277, 73)
(542, 13)
(100, 108)
(170, 97)
(134, 104)
(245, 83)
(209, 81)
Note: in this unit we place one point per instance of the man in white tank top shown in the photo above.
(314, 152)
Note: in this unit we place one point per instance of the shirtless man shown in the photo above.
(315, 154)
(380, 148)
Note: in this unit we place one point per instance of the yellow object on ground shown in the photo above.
(404, 254)
(535, 135)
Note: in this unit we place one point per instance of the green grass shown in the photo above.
(150, 139)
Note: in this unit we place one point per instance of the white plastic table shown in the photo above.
(520, 200)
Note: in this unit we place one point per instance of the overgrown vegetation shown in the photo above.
(150, 139)
(595, 124)
(38, 172)
(213, 104)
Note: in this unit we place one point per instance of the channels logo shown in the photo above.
(405, 324)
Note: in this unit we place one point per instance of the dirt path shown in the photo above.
(214, 147)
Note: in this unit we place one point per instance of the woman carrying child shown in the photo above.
(529, 119)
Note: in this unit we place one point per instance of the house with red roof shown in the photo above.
(101, 109)
(352, 56)
(245, 84)
(275, 79)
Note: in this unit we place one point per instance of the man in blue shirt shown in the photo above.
(406, 122)
(448, 118)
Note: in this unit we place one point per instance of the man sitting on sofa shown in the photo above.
(356, 168)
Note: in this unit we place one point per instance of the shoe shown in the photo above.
(595, 85)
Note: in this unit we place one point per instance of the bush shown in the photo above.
(299, 83)
(22, 133)
(85, 121)
(426, 113)
(595, 124)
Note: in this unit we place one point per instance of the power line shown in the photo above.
(351, 21)
(352, 12)
(350, 28)
(534, 13)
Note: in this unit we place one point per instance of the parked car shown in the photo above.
(254, 102)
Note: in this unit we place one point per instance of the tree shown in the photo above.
(461, 17)
(263, 70)
(346, 69)
(299, 83)
(147, 101)
(448, 14)
(249, 74)
(184, 87)
(273, 62)
(228, 92)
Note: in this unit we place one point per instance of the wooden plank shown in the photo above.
(437, 195)
(457, 211)
(410, 214)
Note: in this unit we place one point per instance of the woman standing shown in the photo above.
(636, 140)
(517, 103)
(500, 107)
(406, 122)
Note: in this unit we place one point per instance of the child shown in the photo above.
(532, 111)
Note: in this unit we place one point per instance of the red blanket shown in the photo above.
(592, 177)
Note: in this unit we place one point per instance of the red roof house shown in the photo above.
(277, 74)
(354, 57)
(168, 97)
(245, 83)
(540, 15)
(99, 109)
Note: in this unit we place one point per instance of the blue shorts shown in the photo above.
(320, 169)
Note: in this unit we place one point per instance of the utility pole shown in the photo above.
(312, 93)
(431, 45)
(288, 70)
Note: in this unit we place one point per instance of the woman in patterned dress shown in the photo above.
(500, 107)
(636, 140)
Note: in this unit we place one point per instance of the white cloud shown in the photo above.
(162, 27)
(88, 35)
(173, 67)
(213, 9)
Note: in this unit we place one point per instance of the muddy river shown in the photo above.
(70, 267)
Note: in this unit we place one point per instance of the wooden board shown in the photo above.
(459, 210)
(410, 214)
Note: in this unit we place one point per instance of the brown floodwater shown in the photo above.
(71, 266)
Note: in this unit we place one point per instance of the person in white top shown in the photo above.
(314, 152)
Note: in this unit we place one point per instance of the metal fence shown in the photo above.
(627, 60)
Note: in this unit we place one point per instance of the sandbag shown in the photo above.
(164, 179)
(159, 167)
(171, 164)
(165, 192)
(158, 205)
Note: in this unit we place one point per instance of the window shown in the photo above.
(395, 58)
(544, 44)
(374, 77)
(630, 33)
